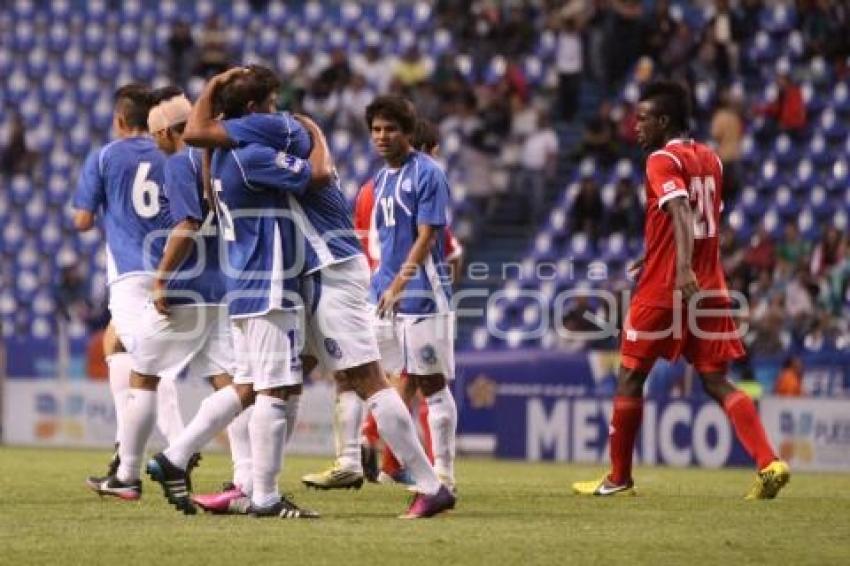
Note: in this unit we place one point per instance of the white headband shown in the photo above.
(169, 113)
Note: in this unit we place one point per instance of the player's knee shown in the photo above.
(246, 394)
(143, 381)
(430, 384)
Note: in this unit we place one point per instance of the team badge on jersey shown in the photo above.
(428, 354)
(333, 349)
(290, 162)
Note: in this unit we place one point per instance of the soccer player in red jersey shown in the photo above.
(674, 310)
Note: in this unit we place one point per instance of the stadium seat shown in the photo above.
(819, 202)
(832, 126)
(841, 98)
(786, 204)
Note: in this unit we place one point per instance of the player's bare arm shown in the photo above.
(179, 246)
(634, 267)
(202, 129)
(321, 161)
(683, 229)
(426, 235)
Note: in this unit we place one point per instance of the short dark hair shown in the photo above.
(425, 136)
(394, 108)
(671, 99)
(133, 101)
(165, 93)
(255, 86)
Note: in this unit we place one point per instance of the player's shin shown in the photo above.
(169, 420)
(395, 426)
(349, 417)
(748, 427)
(215, 413)
(268, 436)
(119, 384)
(139, 419)
(239, 438)
(628, 413)
(442, 419)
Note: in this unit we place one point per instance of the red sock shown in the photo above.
(628, 413)
(748, 428)
(426, 429)
(370, 430)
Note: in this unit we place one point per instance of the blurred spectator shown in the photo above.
(180, 53)
(214, 56)
(373, 66)
(624, 41)
(538, 164)
(828, 252)
(16, 158)
(761, 254)
(788, 110)
(659, 29)
(597, 139)
(815, 23)
(790, 380)
(721, 31)
(516, 33)
(731, 254)
(597, 31)
(676, 56)
(766, 329)
(322, 102)
(625, 213)
(820, 338)
(337, 74)
(799, 304)
(587, 212)
(354, 99)
(793, 248)
(412, 68)
(727, 131)
(569, 62)
(71, 294)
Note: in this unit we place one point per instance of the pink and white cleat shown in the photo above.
(221, 502)
(424, 506)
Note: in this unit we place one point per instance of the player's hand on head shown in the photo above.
(222, 78)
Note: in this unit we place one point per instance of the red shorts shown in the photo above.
(709, 343)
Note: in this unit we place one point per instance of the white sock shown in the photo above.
(268, 434)
(442, 418)
(396, 428)
(215, 413)
(292, 404)
(169, 420)
(139, 418)
(349, 418)
(239, 438)
(119, 383)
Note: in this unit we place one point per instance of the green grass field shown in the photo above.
(508, 513)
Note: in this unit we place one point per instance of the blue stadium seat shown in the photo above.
(840, 175)
(751, 204)
(771, 175)
(806, 224)
(762, 50)
(818, 150)
(776, 19)
(24, 38)
(806, 175)
(58, 39)
(841, 98)
(786, 204)
(819, 202)
(832, 126)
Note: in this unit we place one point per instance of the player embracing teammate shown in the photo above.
(681, 304)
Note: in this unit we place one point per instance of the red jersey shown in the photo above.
(683, 168)
(364, 223)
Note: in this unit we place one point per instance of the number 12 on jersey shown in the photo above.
(388, 208)
(703, 191)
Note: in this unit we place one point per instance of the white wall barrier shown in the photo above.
(48, 412)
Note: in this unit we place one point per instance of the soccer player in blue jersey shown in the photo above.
(335, 276)
(122, 183)
(411, 287)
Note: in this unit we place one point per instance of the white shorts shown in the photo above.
(339, 330)
(419, 345)
(127, 299)
(197, 337)
(267, 350)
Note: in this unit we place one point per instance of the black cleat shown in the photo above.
(194, 462)
(174, 481)
(284, 509)
(112, 486)
(112, 468)
(369, 459)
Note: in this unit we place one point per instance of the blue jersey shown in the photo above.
(124, 179)
(323, 215)
(260, 262)
(415, 194)
(198, 280)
